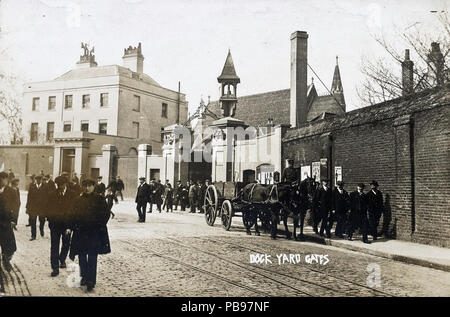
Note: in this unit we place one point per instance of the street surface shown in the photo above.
(178, 254)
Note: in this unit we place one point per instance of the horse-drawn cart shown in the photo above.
(225, 200)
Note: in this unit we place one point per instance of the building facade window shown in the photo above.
(164, 110)
(50, 130)
(102, 127)
(162, 135)
(136, 129)
(68, 102)
(104, 100)
(136, 103)
(86, 101)
(84, 126)
(34, 132)
(67, 126)
(51, 103)
(35, 106)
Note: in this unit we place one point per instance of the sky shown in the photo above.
(187, 41)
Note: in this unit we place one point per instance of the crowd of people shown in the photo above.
(167, 197)
(357, 210)
(76, 212)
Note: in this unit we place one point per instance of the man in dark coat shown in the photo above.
(151, 199)
(36, 205)
(60, 223)
(7, 239)
(90, 234)
(176, 194)
(315, 206)
(325, 204)
(374, 208)
(289, 174)
(192, 196)
(11, 176)
(15, 202)
(100, 187)
(341, 201)
(112, 186)
(120, 187)
(358, 213)
(142, 197)
(202, 194)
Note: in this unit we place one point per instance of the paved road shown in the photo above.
(177, 254)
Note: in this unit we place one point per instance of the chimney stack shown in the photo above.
(133, 58)
(407, 75)
(436, 65)
(299, 73)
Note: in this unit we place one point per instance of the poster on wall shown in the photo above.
(337, 174)
(315, 167)
(305, 172)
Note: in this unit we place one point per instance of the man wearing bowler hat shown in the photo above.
(36, 205)
(374, 208)
(142, 197)
(340, 207)
(62, 202)
(358, 212)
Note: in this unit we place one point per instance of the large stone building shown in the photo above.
(92, 119)
(114, 100)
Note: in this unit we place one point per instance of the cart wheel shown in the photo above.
(210, 204)
(227, 214)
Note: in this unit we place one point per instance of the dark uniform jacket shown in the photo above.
(341, 202)
(374, 202)
(120, 185)
(143, 194)
(100, 189)
(6, 217)
(168, 195)
(15, 203)
(37, 200)
(113, 186)
(90, 234)
(358, 204)
(289, 174)
(60, 215)
(324, 200)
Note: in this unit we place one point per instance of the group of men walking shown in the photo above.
(350, 211)
(77, 215)
(169, 198)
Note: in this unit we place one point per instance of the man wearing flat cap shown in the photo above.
(142, 198)
(60, 223)
(36, 205)
(340, 206)
(325, 198)
(289, 174)
(358, 212)
(374, 208)
(7, 239)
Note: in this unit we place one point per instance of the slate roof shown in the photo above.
(103, 71)
(387, 110)
(228, 71)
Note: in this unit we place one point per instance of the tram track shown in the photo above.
(195, 268)
(307, 267)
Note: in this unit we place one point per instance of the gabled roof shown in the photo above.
(228, 71)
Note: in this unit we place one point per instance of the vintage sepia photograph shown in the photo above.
(220, 152)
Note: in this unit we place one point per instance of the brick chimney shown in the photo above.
(436, 65)
(407, 75)
(299, 74)
(133, 58)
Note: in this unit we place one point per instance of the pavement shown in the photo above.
(178, 254)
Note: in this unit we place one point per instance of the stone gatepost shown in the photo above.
(223, 148)
(143, 151)
(108, 151)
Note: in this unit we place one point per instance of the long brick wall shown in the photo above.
(404, 145)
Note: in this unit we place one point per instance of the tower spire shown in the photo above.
(337, 83)
(228, 80)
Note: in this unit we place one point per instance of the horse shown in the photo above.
(301, 202)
